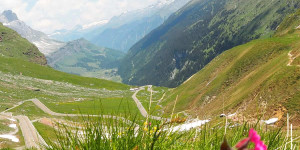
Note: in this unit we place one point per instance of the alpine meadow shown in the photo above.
(152, 74)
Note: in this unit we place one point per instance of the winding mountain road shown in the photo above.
(31, 137)
(34, 140)
(141, 107)
(139, 104)
(44, 108)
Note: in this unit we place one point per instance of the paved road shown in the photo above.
(40, 105)
(30, 134)
(50, 112)
(139, 104)
(47, 110)
(141, 107)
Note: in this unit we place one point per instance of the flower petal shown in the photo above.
(255, 138)
(243, 144)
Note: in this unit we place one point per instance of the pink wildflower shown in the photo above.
(254, 138)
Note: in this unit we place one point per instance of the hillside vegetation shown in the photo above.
(16, 66)
(13, 45)
(197, 33)
(261, 77)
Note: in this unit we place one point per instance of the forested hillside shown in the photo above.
(196, 34)
(257, 79)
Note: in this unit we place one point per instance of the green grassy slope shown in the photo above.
(86, 59)
(16, 66)
(197, 33)
(55, 89)
(111, 105)
(13, 45)
(251, 79)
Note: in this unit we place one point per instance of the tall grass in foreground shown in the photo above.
(105, 134)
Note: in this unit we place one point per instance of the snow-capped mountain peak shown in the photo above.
(93, 24)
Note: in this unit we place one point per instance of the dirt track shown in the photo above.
(31, 136)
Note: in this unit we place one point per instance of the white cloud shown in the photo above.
(50, 15)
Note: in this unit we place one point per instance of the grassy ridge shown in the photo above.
(250, 79)
(13, 45)
(17, 66)
(16, 52)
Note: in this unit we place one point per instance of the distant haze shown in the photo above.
(51, 15)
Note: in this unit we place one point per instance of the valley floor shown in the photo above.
(31, 106)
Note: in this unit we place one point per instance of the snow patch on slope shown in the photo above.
(10, 137)
(188, 126)
(271, 121)
(102, 22)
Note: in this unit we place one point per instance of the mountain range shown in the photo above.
(194, 35)
(122, 31)
(85, 31)
(258, 79)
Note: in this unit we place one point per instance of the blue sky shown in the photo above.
(30, 3)
(51, 15)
